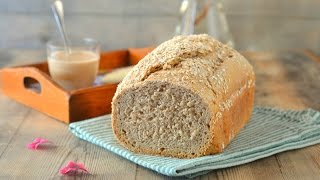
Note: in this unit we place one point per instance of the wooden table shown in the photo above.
(287, 79)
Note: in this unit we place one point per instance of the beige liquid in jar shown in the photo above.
(74, 71)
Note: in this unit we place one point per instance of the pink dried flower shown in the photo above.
(73, 167)
(37, 142)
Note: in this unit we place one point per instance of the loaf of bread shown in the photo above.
(187, 98)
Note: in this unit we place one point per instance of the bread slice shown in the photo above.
(187, 98)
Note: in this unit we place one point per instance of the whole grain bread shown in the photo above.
(187, 98)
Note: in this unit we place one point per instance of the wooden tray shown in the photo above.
(32, 85)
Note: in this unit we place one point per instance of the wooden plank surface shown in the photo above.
(254, 24)
(286, 79)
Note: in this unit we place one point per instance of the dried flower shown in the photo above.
(73, 167)
(37, 142)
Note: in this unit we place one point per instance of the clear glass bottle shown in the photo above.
(204, 16)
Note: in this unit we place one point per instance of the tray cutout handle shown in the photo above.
(32, 84)
(52, 100)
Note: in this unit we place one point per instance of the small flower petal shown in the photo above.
(37, 142)
(73, 167)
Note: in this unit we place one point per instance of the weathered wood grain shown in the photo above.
(114, 32)
(283, 8)
(296, 8)
(19, 56)
(44, 164)
(255, 24)
(270, 33)
(286, 79)
(10, 121)
(101, 7)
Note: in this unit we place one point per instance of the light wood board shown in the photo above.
(287, 79)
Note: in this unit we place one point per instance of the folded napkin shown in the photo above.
(270, 131)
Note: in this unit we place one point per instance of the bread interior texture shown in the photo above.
(162, 118)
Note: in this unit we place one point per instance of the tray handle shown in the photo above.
(29, 79)
(35, 88)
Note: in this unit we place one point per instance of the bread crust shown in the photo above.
(219, 75)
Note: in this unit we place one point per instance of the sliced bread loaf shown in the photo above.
(187, 98)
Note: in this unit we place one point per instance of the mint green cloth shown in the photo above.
(270, 131)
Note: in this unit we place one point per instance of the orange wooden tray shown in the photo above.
(32, 85)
